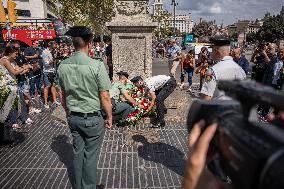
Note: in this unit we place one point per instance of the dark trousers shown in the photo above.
(122, 109)
(35, 83)
(110, 70)
(162, 94)
(87, 133)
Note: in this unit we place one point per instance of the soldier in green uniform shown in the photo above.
(85, 92)
(121, 109)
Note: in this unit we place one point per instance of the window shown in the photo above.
(25, 13)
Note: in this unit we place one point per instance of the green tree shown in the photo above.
(234, 36)
(272, 29)
(164, 26)
(92, 13)
(202, 29)
(251, 37)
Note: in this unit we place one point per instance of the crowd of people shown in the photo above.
(34, 27)
(76, 78)
(33, 72)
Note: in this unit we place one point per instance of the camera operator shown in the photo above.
(197, 175)
(225, 69)
(203, 61)
(258, 58)
(270, 61)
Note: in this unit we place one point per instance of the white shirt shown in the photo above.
(47, 59)
(157, 82)
(226, 69)
(277, 67)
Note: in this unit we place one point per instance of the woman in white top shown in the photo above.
(10, 55)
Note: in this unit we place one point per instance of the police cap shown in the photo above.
(123, 74)
(220, 40)
(79, 31)
(136, 79)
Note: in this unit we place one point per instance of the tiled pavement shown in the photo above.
(42, 157)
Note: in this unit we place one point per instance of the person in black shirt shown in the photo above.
(109, 60)
(32, 54)
(23, 83)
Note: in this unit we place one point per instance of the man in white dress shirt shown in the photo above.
(159, 88)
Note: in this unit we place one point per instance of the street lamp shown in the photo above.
(174, 3)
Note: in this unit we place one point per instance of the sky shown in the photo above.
(228, 11)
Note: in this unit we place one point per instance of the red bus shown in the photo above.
(29, 30)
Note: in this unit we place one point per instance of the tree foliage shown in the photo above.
(251, 37)
(92, 13)
(272, 29)
(164, 29)
(202, 29)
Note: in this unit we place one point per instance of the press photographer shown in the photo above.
(251, 153)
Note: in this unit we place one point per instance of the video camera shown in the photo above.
(251, 152)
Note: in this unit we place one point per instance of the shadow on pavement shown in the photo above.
(64, 150)
(158, 152)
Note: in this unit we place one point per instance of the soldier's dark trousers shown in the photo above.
(87, 133)
(122, 109)
(162, 94)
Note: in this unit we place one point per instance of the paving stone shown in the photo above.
(43, 157)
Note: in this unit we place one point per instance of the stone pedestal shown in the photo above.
(132, 31)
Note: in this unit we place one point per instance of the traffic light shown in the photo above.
(2, 13)
(11, 11)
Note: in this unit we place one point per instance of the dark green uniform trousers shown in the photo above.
(88, 133)
(122, 109)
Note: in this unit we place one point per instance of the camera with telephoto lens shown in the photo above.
(251, 153)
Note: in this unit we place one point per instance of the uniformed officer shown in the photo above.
(159, 88)
(85, 92)
(224, 69)
(121, 109)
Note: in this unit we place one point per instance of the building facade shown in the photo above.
(35, 9)
(158, 7)
(183, 23)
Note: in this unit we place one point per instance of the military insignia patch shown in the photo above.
(209, 77)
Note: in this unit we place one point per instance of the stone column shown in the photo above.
(132, 31)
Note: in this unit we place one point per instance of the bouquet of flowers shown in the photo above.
(8, 93)
(4, 89)
(138, 94)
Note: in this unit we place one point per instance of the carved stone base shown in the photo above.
(132, 38)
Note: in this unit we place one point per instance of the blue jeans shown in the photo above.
(14, 116)
(189, 72)
(23, 88)
(35, 83)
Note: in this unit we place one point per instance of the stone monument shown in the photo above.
(132, 30)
